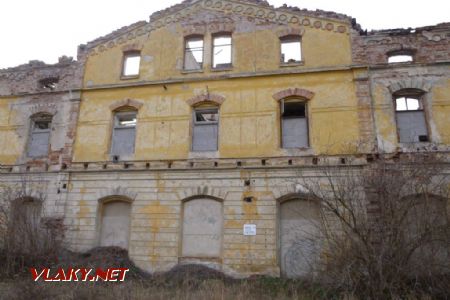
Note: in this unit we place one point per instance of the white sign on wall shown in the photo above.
(249, 229)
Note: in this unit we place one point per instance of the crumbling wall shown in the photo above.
(35, 88)
(427, 44)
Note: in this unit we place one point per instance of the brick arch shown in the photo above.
(217, 99)
(48, 109)
(293, 92)
(199, 191)
(117, 193)
(409, 83)
(126, 102)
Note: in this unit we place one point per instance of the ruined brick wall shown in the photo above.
(427, 44)
(35, 88)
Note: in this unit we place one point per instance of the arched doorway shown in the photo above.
(299, 237)
(202, 228)
(115, 223)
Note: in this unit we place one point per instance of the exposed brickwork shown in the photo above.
(60, 100)
(294, 92)
(126, 102)
(428, 44)
(206, 98)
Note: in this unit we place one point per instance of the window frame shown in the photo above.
(306, 117)
(289, 39)
(411, 94)
(405, 52)
(41, 117)
(221, 35)
(185, 49)
(126, 55)
(204, 108)
(116, 126)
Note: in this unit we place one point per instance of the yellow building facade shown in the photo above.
(185, 139)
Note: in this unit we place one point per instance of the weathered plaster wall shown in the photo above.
(255, 38)
(156, 230)
(249, 117)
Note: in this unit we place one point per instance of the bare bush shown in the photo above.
(385, 228)
(27, 237)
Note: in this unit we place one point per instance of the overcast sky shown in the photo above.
(47, 29)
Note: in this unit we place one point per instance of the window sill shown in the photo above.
(221, 69)
(301, 151)
(203, 154)
(292, 64)
(123, 77)
(192, 71)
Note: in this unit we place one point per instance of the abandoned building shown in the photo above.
(182, 138)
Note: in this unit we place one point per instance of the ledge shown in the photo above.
(293, 64)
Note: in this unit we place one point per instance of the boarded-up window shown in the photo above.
(40, 136)
(291, 49)
(427, 227)
(300, 241)
(193, 53)
(124, 133)
(410, 117)
(131, 63)
(222, 51)
(25, 224)
(205, 131)
(294, 124)
(115, 224)
(202, 228)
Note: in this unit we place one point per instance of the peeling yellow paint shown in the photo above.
(84, 209)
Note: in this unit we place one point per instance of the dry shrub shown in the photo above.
(27, 237)
(385, 228)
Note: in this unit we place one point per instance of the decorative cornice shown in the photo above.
(293, 92)
(319, 20)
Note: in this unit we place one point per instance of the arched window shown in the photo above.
(205, 127)
(25, 225)
(299, 237)
(202, 228)
(294, 123)
(410, 116)
(115, 223)
(425, 231)
(40, 132)
(124, 131)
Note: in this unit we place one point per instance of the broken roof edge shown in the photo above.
(405, 31)
(114, 34)
(63, 61)
(263, 3)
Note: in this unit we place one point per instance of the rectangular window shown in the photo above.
(222, 52)
(40, 137)
(124, 133)
(193, 53)
(131, 63)
(205, 131)
(294, 124)
(410, 117)
(399, 58)
(291, 49)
